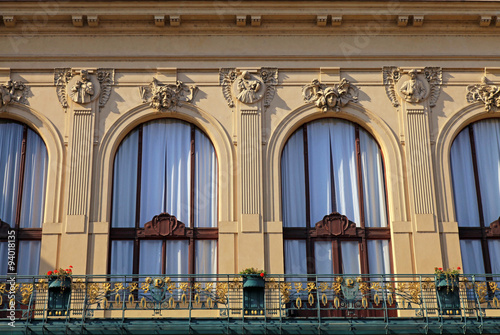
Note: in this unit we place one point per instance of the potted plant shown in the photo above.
(448, 290)
(253, 291)
(59, 291)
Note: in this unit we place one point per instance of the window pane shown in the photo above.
(295, 257)
(11, 136)
(3, 258)
(29, 258)
(464, 188)
(378, 256)
(205, 194)
(122, 254)
(177, 258)
(472, 256)
(351, 263)
(150, 257)
(373, 181)
(293, 182)
(494, 246)
(487, 138)
(125, 182)
(206, 257)
(323, 257)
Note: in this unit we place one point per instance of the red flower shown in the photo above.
(441, 269)
(262, 274)
(71, 266)
(67, 270)
(49, 273)
(55, 271)
(459, 268)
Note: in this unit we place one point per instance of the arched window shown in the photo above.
(164, 211)
(334, 166)
(475, 165)
(23, 174)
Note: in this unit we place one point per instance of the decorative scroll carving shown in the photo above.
(413, 89)
(335, 224)
(330, 98)
(494, 229)
(391, 76)
(13, 91)
(61, 79)
(489, 95)
(4, 229)
(248, 88)
(163, 225)
(106, 78)
(83, 86)
(166, 97)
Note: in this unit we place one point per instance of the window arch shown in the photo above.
(23, 176)
(475, 165)
(334, 166)
(164, 207)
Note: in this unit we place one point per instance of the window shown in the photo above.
(333, 166)
(475, 164)
(164, 211)
(23, 173)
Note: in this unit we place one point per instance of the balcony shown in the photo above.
(230, 304)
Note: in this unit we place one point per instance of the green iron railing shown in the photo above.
(225, 304)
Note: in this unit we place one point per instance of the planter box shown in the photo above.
(448, 295)
(59, 297)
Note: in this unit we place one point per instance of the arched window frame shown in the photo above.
(183, 231)
(315, 231)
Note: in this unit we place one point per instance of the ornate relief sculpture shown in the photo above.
(166, 97)
(330, 98)
(12, 91)
(248, 88)
(83, 86)
(83, 90)
(413, 89)
(489, 95)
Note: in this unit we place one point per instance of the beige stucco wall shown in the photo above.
(289, 39)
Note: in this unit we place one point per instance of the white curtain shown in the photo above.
(206, 257)
(150, 257)
(487, 138)
(372, 169)
(295, 258)
(378, 257)
(472, 256)
(11, 136)
(494, 246)
(323, 257)
(35, 175)
(122, 253)
(343, 153)
(351, 263)
(205, 195)
(293, 182)
(125, 183)
(177, 258)
(464, 188)
(28, 258)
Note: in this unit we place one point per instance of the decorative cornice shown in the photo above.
(330, 98)
(488, 94)
(166, 97)
(13, 91)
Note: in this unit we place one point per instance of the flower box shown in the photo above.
(253, 294)
(59, 296)
(448, 294)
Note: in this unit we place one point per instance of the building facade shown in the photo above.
(206, 137)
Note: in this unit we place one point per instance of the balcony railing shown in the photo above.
(230, 304)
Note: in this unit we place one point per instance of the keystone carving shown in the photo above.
(489, 95)
(330, 98)
(13, 91)
(166, 97)
(247, 87)
(83, 86)
(163, 225)
(413, 89)
(335, 224)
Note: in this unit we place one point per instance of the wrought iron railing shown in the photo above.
(276, 302)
